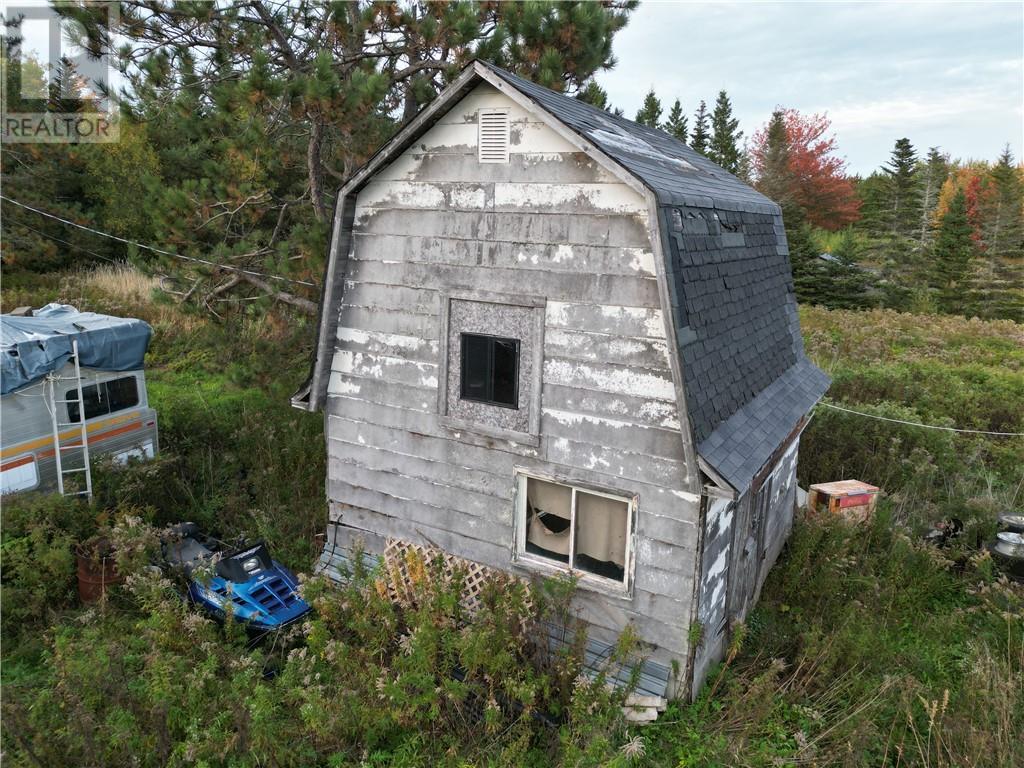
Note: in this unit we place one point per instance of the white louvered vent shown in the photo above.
(493, 131)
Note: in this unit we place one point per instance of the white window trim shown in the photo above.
(542, 565)
(504, 158)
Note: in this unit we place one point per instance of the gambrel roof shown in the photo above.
(746, 382)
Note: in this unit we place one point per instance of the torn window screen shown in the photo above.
(490, 370)
(584, 530)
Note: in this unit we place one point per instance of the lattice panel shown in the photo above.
(407, 570)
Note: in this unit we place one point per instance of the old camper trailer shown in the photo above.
(555, 341)
(73, 388)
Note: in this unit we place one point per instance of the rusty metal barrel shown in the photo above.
(97, 571)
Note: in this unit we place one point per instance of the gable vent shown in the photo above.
(493, 131)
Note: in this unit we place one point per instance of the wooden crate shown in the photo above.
(852, 499)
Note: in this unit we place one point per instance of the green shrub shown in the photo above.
(365, 679)
(38, 536)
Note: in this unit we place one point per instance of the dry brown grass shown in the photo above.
(120, 282)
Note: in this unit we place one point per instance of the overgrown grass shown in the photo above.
(932, 369)
(867, 647)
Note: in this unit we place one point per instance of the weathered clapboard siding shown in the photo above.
(559, 286)
(396, 321)
(460, 164)
(550, 224)
(542, 228)
(657, 520)
(547, 257)
(413, 433)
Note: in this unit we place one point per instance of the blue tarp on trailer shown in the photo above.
(34, 346)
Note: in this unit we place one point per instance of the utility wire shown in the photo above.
(227, 267)
(918, 424)
(65, 242)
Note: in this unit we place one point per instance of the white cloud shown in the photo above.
(949, 74)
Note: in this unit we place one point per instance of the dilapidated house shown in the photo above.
(554, 340)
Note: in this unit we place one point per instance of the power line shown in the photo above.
(227, 267)
(918, 424)
(65, 242)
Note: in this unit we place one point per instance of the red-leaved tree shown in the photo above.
(815, 178)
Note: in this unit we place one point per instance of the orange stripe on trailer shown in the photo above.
(17, 463)
(42, 442)
(97, 439)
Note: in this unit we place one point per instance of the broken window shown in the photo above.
(490, 370)
(582, 529)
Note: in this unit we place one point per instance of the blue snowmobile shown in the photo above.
(246, 583)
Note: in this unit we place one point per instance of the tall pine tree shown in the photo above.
(263, 109)
(701, 136)
(676, 124)
(650, 111)
(904, 198)
(724, 148)
(951, 256)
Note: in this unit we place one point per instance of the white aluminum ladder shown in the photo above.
(59, 449)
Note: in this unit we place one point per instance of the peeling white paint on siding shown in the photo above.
(718, 566)
(562, 253)
(381, 366)
(668, 414)
(571, 419)
(468, 198)
(401, 194)
(624, 381)
(691, 497)
(654, 322)
(717, 508)
(650, 321)
(392, 340)
(641, 260)
(616, 198)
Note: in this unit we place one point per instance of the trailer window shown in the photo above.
(122, 393)
(103, 398)
(584, 530)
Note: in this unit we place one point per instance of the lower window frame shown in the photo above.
(548, 567)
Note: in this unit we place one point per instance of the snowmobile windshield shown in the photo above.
(243, 566)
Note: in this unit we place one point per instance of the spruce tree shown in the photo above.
(844, 280)
(1003, 209)
(933, 174)
(952, 254)
(650, 111)
(701, 136)
(594, 94)
(676, 124)
(904, 204)
(775, 178)
(724, 148)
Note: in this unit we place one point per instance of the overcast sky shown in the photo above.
(946, 74)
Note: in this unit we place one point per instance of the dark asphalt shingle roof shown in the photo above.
(747, 380)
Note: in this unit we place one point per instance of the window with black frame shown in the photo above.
(490, 370)
(103, 398)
